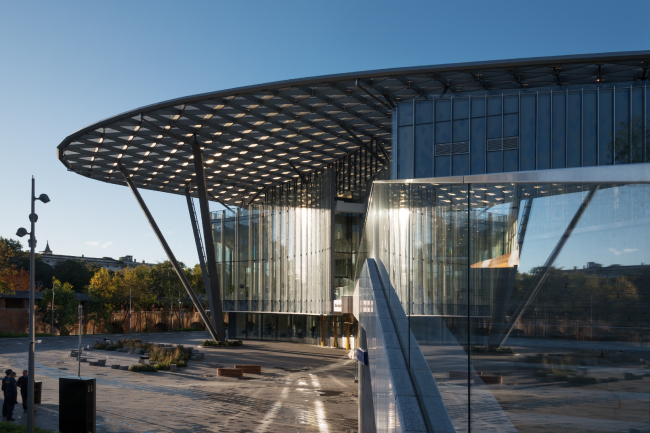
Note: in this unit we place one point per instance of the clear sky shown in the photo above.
(65, 64)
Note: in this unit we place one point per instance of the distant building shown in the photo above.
(103, 262)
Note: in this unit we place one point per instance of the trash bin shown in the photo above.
(38, 388)
(77, 405)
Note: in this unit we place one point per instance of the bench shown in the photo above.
(144, 360)
(250, 368)
(489, 379)
(230, 372)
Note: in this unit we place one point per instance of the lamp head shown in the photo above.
(44, 198)
(21, 232)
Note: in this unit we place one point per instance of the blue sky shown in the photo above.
(67, 64)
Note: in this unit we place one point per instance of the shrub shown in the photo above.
(143, 368)
(9, 427)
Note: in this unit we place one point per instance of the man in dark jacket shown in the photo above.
(4, 403)
(10, 395)
(23, 384)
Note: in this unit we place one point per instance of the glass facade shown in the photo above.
(277, 256)
(476, 133)
(528, 301)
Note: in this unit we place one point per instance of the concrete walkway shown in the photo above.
(302, 388)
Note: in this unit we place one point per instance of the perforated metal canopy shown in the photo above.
(260, 136)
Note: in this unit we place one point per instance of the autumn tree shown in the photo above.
(102, 290)
(12, 278)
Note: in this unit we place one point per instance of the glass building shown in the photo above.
(490, 222)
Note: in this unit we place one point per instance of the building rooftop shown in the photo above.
(257, 137)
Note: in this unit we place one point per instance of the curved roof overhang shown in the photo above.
(257, 137)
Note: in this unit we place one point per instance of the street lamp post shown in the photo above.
(32, 273)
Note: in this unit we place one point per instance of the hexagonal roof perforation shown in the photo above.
(260, 136)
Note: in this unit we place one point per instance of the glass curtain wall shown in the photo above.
(529, 130)
(277, 256)
(529, 301)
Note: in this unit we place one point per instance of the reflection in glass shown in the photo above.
(542, 289)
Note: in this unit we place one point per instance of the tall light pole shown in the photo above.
(32, 273)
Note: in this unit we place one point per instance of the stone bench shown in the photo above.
(250, 368)
(230, 372)
(94, 363)
(124, 367)
(489, 379)
(115, 366)
(101, 362)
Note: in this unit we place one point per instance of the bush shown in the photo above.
(228, 343)
(143, 368)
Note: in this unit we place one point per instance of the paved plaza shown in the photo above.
(302, 388)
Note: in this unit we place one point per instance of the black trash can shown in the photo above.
(38, 388)
(77, 404)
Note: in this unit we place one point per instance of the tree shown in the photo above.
(65, 306)
(74, 272)
(44, 272)
(134, 286)
(11, 279)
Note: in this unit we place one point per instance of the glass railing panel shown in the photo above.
(559, 283)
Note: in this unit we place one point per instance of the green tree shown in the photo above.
(74, 272)
(134, 286)
(65, 306)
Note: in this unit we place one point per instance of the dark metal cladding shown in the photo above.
(257, 137)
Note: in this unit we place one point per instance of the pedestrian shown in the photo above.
(23, 384)
(10, 395)
(4, 403)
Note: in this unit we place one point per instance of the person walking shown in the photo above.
(10, 395)
(23, 384)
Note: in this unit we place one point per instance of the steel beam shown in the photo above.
(199, 246)
(170, 255)
(216, 306)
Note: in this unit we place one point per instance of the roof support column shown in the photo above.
(216, 306)
(199, 247)
(170, 255)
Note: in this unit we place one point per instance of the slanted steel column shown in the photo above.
(170, 255)
(537, 284)
(216, 306)
(199, 247)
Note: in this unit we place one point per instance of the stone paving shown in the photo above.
(302, 388)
